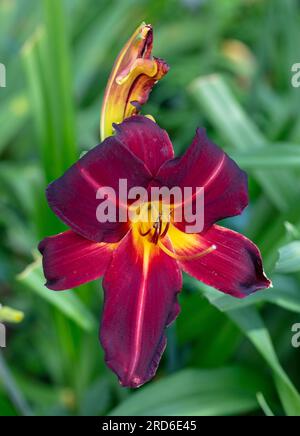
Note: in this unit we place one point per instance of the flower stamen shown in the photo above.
(145, 233)
(182, 258)
(165, 230)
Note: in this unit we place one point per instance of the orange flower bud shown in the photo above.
(134, 74)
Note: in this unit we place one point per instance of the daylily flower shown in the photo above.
(133, 76)
(142, 262)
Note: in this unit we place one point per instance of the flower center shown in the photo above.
(152, 221)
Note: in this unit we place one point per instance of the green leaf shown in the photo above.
(275, 156)
(264, 405)
(47, 64)
(12, 388)
(224, 112)
(251, 324)
(95, 45)
(284, 294)
(213, 392)
(96, 398)
(13, 115)
(291, 231)
(249, 321)
(289, 258)
(67, 302)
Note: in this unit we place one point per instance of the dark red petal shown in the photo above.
(146, 140)
(70, 260)
(140, 301)
(234, 267)
(206, 165)
(73, 196)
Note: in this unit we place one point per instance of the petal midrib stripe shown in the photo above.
(142, 294)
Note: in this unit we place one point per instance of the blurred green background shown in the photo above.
(230, 72)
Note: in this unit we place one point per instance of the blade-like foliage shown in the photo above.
(231, 72)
